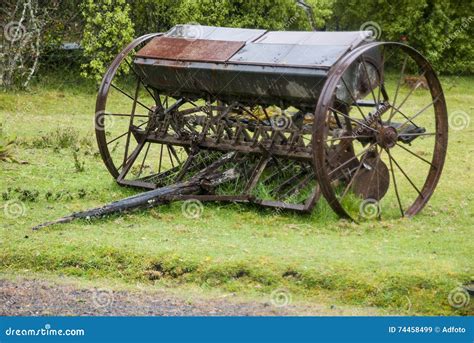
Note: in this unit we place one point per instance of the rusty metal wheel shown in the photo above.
(380, 133)
(115, 106)
(126, 108)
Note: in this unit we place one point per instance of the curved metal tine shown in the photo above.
(368, 79)
(395, 183)
(143, 161)
(169, 154)
(266, 115)
(418, 113)
(402, 74)
(129, 96)
(286, 167)
(352, 119)
(173, 151)
(161, 158)
(414, 154)
(353, 98)
(407, 177)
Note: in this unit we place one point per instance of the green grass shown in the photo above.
(406, 266)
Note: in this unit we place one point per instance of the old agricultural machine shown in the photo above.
(272, 118)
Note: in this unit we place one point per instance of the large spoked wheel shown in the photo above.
(127, 109)
(380, 133)
(116, 109)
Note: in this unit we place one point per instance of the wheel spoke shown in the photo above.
(130, 97)
(419, 112)
(404, 115)
(419, 134)
(395, 183)
(382, 68)
(353, 98)
(416, 155)
(126, 115)
(141, 81)
(406, 176)
(408, 95)
(352, 119)
(129, 133)
(402, 73)
(370, 83)
(123, 134)
(353, 177)
(343, 137)
(351, 159)
(144, 158)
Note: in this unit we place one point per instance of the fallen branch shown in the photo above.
(204, 181)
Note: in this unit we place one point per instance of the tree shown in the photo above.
(21, 44)
(108, 28)
(441, 29)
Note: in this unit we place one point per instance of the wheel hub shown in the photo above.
(387, 137)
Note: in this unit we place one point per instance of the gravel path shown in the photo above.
(43, 298)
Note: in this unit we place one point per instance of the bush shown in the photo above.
(153, 15)
(439, 29)
(265, 14)
(107, 30)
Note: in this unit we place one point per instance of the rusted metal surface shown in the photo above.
(178, 49)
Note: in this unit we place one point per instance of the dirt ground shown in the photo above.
(34, 297)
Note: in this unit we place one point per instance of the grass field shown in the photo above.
(402, 266)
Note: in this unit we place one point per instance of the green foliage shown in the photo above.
(153, 15)
(439, 29)
(265, 14)
(108, 28)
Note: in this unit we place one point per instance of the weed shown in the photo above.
(6, 144)
(78, 164)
